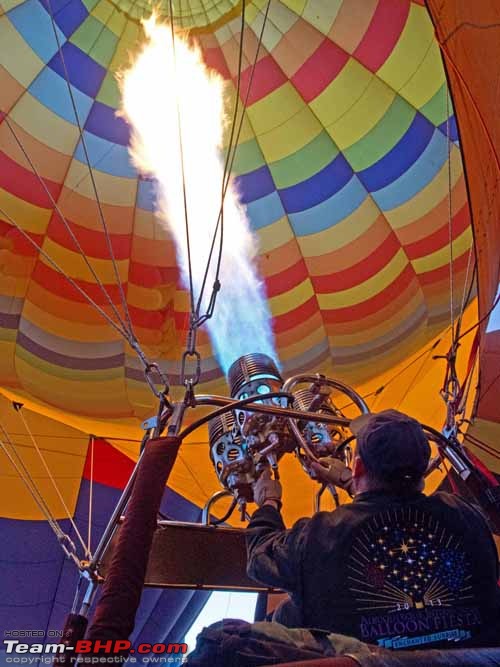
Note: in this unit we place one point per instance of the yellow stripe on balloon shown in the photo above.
(427, 80)
(366, 112)
(128, 42)
(147, 298)
(322, 14)
(367, 289)
(33, 219)
(289, 137)
(106, 14)
(16, 55)
(441, 257)
(275, 109)
(74, 265)
(98, 393)
(350, 229)
(425, 200)
(410, 50)
(294, 298)
(114, 190)
(342, 94)
(44, 125)
(274, 236)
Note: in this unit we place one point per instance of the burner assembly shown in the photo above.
(245, 441)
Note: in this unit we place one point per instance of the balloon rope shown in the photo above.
(483, 318)
(56, 266)
(91, 495)
(229, 170)
(64, 221)
(228, 152)
(181, 151)
(91, 174)
(19, 411)
(26, 477)
(450, 215)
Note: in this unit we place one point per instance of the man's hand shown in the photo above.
(330, 470)
(267, 490)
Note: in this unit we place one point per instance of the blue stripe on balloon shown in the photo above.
(317, 188)
(146, 194)
(108, 157)
(52, 91)
(263, 212)
(32, 22)
(70, 16)
(254, 184)
(416, 177)
(331, 211)
(394, 163)
(104, 122)
(83, 72)
(452, 127)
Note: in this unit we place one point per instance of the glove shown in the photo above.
(266, 488)
(330, 470)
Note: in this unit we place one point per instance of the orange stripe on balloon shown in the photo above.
(346, 255)
(374, 304)
(357, 274)
(441, 237)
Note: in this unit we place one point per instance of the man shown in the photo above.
(394, 568)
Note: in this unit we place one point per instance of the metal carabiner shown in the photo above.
(154, 368)
(193, 380)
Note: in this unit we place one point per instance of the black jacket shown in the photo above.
(410, 571)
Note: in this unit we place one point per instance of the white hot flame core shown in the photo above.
(155, 90)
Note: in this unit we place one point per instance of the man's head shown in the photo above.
(392, 452)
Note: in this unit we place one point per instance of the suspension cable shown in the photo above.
(17, 462)
(228, 153)
(56, 266)
(450, 214)
(91, 494)
(91, 174)
(19, 410)
(196, 319)
(65, 222)
(181, 153)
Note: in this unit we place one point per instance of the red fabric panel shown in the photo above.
(110, 467)
(319, 70)
(383, 33)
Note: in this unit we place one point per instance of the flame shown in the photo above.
(157, 89)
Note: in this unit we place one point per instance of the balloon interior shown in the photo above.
(175, 146)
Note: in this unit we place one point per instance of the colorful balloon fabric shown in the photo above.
(345, 163)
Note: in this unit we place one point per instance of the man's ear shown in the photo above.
(358, 468)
